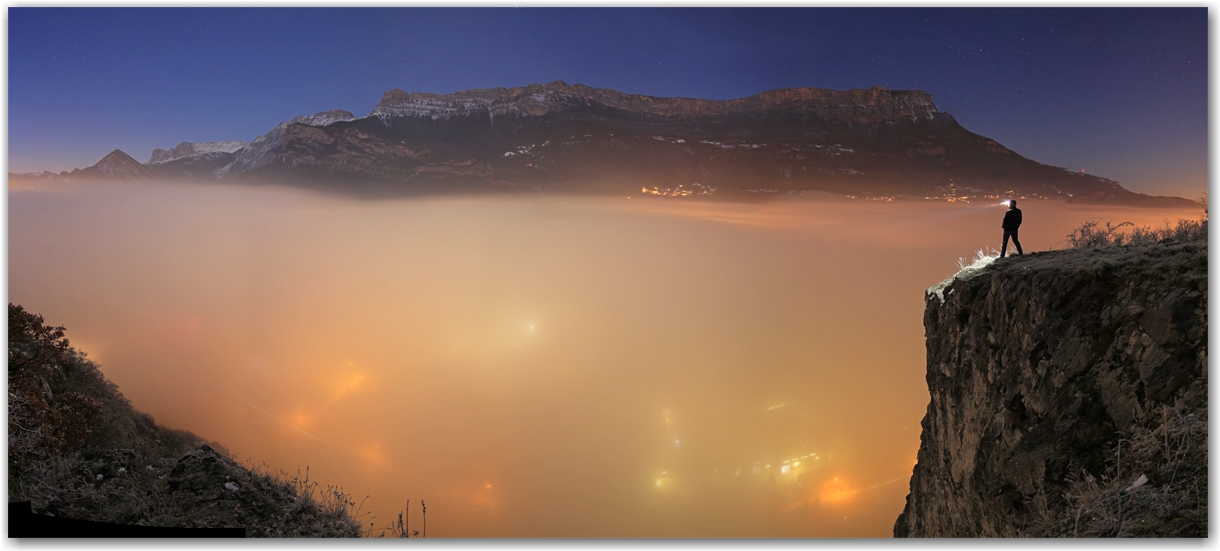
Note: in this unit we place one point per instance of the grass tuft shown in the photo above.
(966, 269)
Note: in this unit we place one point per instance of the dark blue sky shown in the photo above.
(1119, 92)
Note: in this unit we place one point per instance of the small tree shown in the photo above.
(43, 422)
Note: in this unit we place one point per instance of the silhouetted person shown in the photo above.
(1012, 221)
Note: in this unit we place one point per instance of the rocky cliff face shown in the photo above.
(1058, 380)
(872, 106)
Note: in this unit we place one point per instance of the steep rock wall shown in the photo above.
(1039, 366)
(872, 106)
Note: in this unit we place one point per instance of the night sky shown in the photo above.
(1121, 93)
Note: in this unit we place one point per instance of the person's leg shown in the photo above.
(1004, 247)
(1017, 242)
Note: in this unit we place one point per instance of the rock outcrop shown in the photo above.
(1054, 378)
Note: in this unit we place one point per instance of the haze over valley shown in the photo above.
(530, 366)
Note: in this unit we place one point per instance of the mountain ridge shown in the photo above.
(868, 143)
(538, 99)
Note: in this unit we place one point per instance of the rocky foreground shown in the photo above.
(1068, 397)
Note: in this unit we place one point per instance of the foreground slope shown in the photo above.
(1068, 397)
(78, 450)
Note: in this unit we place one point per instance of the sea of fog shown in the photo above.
(528, 366)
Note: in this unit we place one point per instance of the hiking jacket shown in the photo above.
(1012, 220)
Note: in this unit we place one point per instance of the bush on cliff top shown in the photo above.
(1093, 234)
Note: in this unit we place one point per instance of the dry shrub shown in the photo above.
(1092, 234)
(401, 528)
(1155, 486)
(46, 419)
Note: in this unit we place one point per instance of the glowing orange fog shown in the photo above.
(528, 366)
(836, 490)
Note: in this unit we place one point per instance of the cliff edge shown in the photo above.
(1068, 397)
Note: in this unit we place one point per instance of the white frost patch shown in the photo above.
(324, 118)
(188, 149)
(509, 153)
(219, 147)
(437, 108)
(982, 259)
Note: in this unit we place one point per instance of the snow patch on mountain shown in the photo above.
(435, 109)
(535, 99)
(324, 118)
(187, 149)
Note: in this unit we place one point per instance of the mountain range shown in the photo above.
(866, 143)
